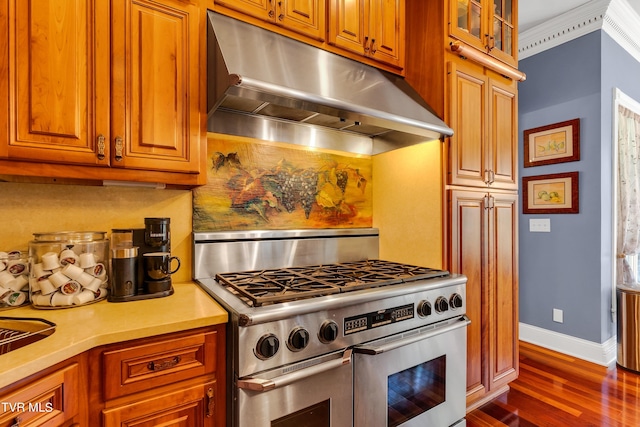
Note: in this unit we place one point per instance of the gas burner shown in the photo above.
(260, 287)
(270, 286)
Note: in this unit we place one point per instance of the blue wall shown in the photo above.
(563, 269)
(571, 267)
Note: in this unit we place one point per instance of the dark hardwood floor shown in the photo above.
(554, 389)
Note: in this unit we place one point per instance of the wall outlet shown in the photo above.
(557, 315)
(540, 225)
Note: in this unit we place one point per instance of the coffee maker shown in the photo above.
(153, 238)
(151, 244)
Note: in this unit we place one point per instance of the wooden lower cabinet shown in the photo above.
(54, 397)
(191, 407)
(176, 379)
(483, 247)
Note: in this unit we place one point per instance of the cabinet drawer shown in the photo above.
(159, 362)
(192, 407)
(48, 401)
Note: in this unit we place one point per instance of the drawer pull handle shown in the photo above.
(160, 365)
(210, 402)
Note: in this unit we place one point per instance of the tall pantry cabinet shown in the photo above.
(461, 57)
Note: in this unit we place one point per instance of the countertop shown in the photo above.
(80, 329)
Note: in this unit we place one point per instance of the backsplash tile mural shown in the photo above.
(263, 185)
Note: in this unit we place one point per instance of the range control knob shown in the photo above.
(455, 301)
(267, 346)
(328, 331)
(424, 308)
(441, 305)
(298, 339)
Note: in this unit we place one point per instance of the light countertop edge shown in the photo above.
(80, 329)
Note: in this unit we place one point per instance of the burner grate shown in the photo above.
(261, 287)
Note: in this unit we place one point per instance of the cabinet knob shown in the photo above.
(101, 147)
(366, 43)
(119, 148)
(373, 46)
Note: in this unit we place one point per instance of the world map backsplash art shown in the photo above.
(262, 185)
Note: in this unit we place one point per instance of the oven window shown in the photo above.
(317, 415)
(416, 390)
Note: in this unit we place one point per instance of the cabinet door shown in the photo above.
(468, 22)
(502, 41)
(488, 25)
(48, 401)
(54, 81)
(503, 134)
(191, 407)
(157, 85)
(484, 248)
(386, 23)
(503, 302)
(469, 247)
(303, 16)
(348, 26)
(261, 9)
(468, 117)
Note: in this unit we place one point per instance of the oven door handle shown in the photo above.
(261, 384)
(373, 349)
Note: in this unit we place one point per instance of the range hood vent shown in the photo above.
(267, 86)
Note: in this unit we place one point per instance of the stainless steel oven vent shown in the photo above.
(276, 82)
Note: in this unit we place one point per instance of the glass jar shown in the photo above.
(68, 268)
(14, 279)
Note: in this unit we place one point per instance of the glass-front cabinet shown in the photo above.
(487, 25)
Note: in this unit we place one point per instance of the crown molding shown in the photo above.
(615, 17)
(622, 23)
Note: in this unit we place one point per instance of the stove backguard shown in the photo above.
(233, 251)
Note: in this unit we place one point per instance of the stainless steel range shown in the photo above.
(323, 333)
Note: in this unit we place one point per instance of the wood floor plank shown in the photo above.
(558, 390)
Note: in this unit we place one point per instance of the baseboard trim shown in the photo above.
(600, 353)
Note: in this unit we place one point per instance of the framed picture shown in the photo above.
(556, 143)
(550, 194)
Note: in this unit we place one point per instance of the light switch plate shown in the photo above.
(540, 225)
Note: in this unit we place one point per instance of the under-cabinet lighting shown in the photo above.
(156, 185)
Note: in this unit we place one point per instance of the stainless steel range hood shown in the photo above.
(267, 86)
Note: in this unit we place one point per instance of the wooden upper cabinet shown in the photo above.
(488, 25)
(503, 133)
(155, 96)
(56, 86)
(116, 86)
(483, 113)
(371, 28)
(306, 17)
(303, 16)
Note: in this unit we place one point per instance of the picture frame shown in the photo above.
(551, 194)
(554, 143)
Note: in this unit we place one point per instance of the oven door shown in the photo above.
(417, 378)
(315, 393)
